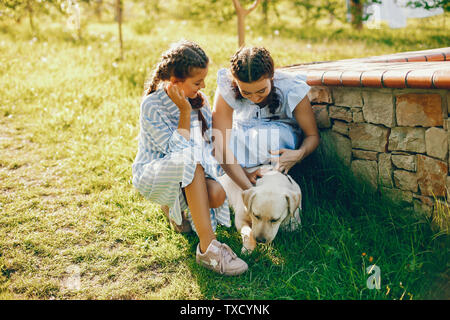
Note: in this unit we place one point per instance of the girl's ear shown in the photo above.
(174, 79)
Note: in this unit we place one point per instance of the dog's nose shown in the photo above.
(261, 239)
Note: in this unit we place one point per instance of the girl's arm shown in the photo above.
(184, 123)
(304, 115)
(222, 121)
(305, 118)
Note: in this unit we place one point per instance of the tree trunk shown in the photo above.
(119, 10)
(356, 10)
(30, 14)
(241, 29)
(98, 9)
(79, 32)
(241, 14)
(265, 7)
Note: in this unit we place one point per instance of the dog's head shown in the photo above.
(269, 207)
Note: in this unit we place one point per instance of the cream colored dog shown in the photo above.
(274, 201)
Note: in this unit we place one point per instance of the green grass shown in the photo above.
(69, 114)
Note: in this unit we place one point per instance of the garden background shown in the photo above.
(73, 227)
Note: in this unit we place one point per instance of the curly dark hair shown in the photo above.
(179, 61)
(250, 64)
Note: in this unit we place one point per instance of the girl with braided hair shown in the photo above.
(267, 112)
(174, 166)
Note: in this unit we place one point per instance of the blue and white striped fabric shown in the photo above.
(255, 130)
(166, 161)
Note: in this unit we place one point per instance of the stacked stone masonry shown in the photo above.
(398, 139)
(388, 119)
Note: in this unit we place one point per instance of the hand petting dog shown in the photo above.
(286, 159)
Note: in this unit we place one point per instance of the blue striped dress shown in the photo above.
(165, 162)
(255, 130)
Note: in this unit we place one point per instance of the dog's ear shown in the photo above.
(247, 197)
(294, 200)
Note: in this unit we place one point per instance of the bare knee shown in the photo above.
(216, 194)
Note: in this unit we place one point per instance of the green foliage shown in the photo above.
(218, 11)
(311, 11)
(430, 4)
(357, 12)
(17, 9)
(69, 118)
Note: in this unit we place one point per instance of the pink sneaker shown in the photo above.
(220, 258)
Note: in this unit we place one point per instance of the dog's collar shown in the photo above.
(289, 178)
(285, 174)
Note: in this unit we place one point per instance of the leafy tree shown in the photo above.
(357, 12)
(221, 10)
(72, 10)
(152, 7)
(331, 8)
(98, 6)
(18, 9)
(309, 10)
(430, 4)
(266, 5)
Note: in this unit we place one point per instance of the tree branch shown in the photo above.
(241, 10)
(252, 7)
(237, 5)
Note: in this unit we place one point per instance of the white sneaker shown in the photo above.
(220, 258)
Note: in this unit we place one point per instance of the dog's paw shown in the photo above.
(246, 251)
(248, 246)
(248, 241)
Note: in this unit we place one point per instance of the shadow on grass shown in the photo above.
(346, 227)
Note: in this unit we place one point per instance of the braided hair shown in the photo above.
(251, 64)
(179, 61)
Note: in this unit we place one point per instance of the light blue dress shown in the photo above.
(165, 162)
(255, 130)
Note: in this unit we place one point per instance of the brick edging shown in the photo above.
(427, 69)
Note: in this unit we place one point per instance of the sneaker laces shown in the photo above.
(227, 255)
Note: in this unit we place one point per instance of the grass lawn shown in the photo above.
(73, 227)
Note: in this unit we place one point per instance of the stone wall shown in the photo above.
(397, 139)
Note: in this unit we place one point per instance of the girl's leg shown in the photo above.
(197, 200)
(216, 198)
(210, 253)
(216, 193)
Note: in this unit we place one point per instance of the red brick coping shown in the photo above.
(416, 69)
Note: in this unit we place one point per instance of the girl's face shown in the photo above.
(193, 84)
(255, 91)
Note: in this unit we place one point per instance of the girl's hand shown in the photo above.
(287, 159)
(252, 176)
(176, 94)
